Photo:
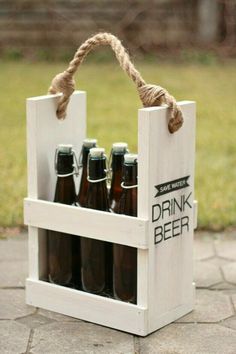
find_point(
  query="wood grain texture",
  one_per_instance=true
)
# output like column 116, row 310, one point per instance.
column 163, row 158
column 89, row 307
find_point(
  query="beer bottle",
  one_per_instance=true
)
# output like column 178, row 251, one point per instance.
column 125, row 257
column 117, row 156
column 59, row 244
column 81, row 199
column 94, row 253
column 87, row 145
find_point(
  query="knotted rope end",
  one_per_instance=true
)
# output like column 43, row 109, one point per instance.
column 176, row 122
column 154, row 95
column 65, row 84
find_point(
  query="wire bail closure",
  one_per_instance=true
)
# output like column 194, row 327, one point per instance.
column 128, row 187
column 100, row 179
column 75, row 171
column 109, row 171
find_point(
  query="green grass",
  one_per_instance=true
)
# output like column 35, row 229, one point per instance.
column 112, row 111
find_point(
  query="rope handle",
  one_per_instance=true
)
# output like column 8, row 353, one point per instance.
column 150, row 95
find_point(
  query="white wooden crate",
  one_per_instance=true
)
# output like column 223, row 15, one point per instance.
column 165, row 272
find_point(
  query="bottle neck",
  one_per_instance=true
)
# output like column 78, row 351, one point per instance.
column 65, row 190
column 130, row 174
column 97, row 167
column 84, row 182
column 85, row 152
column 64, row 164
column 117, row 162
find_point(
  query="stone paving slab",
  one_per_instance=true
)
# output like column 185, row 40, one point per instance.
column 229, row 271
column 203, row 250
column 217, row 261
column 13, row 273
column 190, row 339
column 56, row 316
column 80, row 337
column 223, row 286
column 230, row 322
column 206, row 275
column 13, row 337
column 12, row 304
column 210, row 306
column 234, row 301
column 225, row 246
column 13, row 249
column 34, row 320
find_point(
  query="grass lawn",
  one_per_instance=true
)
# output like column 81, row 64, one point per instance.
column 112, row 111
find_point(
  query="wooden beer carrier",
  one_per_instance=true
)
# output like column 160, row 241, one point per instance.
column 163, row 230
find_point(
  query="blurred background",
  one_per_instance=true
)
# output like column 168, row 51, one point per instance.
column 49, row 29
column 186, row 46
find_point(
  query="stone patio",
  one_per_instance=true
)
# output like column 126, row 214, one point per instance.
column 209, row 329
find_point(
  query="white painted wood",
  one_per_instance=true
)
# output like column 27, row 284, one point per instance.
column 90, row 223
column 195, row 213
column 142, row 277
column 33, row 251
column 175, row 313
column 37, row 251
column 164, row 157
column 45, row 132
column 89, row 307
column 165, row 290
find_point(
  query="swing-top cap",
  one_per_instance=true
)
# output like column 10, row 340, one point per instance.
column 97, row 152
column 131, row 158
column 89, row 143
column 65, row 148
column 119, row 147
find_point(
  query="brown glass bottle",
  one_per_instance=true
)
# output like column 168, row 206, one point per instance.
column 81, row 200
column 117, row 156
column 59, row 244
column 94, row 252
column 125, row 257
column 83, row 190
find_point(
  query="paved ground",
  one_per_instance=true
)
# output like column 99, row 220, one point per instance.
column 209, row 329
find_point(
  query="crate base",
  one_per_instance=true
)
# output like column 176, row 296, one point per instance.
column 97, row 309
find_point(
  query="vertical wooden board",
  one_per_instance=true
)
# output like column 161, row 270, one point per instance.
column 37, row 249
column 45, row 132
column 166, row 163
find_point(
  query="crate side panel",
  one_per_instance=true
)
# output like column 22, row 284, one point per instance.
column 167, row 180
column 143, row 207
column 45, row 132
column 97, row 309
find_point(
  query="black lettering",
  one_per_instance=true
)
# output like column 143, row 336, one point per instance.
column 179, row 206
column 166, row 207
column 158, row 234
column 174, row 227
column 186, row 201
column 184, row 223
column 166, row 230
column 154, row 208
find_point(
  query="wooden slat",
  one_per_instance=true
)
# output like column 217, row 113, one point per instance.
column 89, row 307
column 90, row 223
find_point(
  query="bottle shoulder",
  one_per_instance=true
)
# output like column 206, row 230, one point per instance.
column 97, row 196
column 65, row 190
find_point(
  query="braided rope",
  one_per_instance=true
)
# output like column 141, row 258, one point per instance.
column 150, row 95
